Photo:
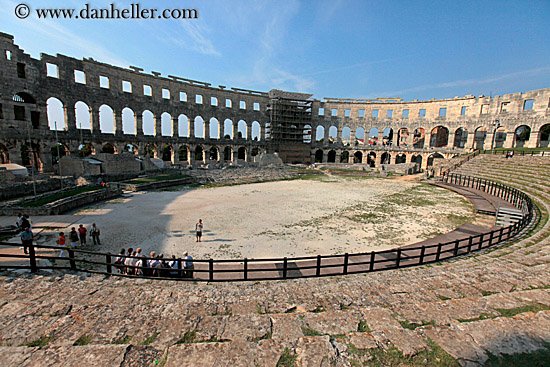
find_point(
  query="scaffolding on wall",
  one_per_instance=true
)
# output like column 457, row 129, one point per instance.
column 289, row 131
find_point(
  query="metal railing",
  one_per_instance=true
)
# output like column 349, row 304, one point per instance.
column 297, row 267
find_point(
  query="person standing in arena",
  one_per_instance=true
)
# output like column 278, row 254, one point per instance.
column 198, row 228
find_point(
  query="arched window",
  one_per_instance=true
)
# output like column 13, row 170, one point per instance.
column 56, row 114
column 106, row 119
column 128, row 121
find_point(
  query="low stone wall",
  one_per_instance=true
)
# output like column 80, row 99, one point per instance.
column 155, row 185
column 403, row 168
column 14, row 190
column 64, row 205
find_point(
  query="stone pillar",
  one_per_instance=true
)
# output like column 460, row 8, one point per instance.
column 380, row 138
column 139, row 124
column 248, row 133
column 450, row 139
column 191, row 155
column 508, row 143
column 70, row 118
column 95, row 121
column 326, row 136
column 427, row 139
column 206, row 134
column 489, row 140
column 235, row 156
column 424, row 165
column 470, row 140
column 175, row 126
column 262, row 132
column 191, row 125
column 235, row 131
column 325, row 156
column 157, row 122
column 118, row 124
column 533, row 139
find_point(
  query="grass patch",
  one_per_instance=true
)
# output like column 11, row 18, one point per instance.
column 287, row 359
column 363, row 327
column 483, row 316
column 309, row 331
column 538, row 358
column 434, row 355
column 41, row 342
column 188, row 337
column 150, row 339
column 533, row 307
column 156, row 179
column 319, row 309
column 123, row 340
column 485, row 293
column 413, row 325
column 83, row 340
column 266, row 336
column 443, row 298
column 60, row 195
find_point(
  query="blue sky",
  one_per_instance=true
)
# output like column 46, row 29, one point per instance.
column 337, row 48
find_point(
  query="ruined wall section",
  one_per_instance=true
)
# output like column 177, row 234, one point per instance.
column 482, row 112
column 63, row 85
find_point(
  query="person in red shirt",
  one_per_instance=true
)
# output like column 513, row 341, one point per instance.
column 61, row 241
column 82, row 234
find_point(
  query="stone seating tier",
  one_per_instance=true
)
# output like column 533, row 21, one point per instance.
column 468, row 311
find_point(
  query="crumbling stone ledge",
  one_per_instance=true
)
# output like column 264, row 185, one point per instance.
column 63, row 205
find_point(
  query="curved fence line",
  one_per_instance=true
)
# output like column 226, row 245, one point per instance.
column 298, row 267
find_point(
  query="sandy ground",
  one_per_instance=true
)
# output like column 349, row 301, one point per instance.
column 326, row 215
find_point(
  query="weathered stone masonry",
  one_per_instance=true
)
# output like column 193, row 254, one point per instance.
column 342, row 130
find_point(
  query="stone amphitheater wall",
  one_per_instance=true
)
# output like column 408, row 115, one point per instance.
column 26, row 85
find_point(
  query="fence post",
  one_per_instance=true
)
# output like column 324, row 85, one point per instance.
column 422, row 252
column 500, row 234
column 470, row 240
column 245, row 268
column 491, row 235
column 32, row 259
column 211, row 269
column 438, row 253
column 318, row 270
column 108, row 261
column 285, row 267
column 480, row 242
column 398, row 259
column 456, row 247
column 346, row 260
column 372, row 255
column 71, row 259
column 180, row 272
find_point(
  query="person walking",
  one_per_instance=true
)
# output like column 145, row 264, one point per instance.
column 73, row 237
column 19, row 222
column 198, row 228
column 82, row 234
column 94, row 233
column 26, row 238
column 62, row 242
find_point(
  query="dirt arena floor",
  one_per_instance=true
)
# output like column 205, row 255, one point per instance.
column 325, row 215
